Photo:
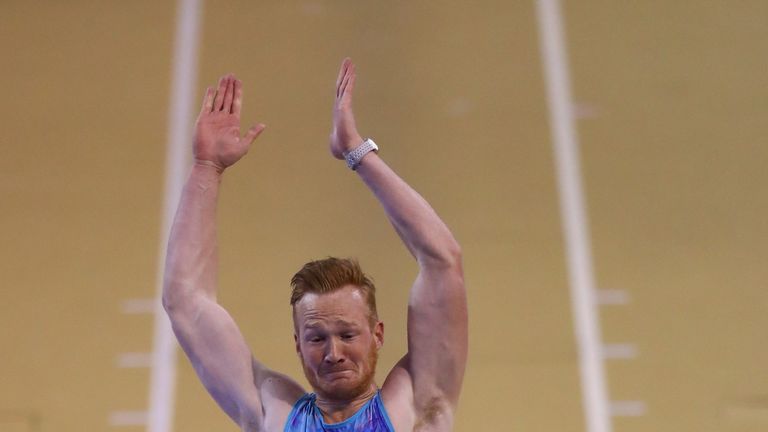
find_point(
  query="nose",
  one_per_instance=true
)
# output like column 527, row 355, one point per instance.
column 333, row 353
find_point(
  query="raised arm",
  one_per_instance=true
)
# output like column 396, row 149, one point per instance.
column 248, row 392
column 433, row 369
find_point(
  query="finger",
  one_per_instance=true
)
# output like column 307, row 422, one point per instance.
column 207, row 101
column 219, row 99
column 229, row 94
column 350, row 84
column 342, row 72
column 238, row 102
column 350, row 73
column 253, row 132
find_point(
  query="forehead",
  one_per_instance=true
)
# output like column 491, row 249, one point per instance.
column 344, row 304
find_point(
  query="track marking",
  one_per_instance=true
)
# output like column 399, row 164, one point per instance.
column 619, row 351
column 586, row 111
column 628, row 408
column 573, row 217
column 127, row 418
column 613, row 297
column 134, row 360
column 178, row 158
column 138, row 306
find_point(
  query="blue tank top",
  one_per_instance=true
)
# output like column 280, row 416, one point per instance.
column 307, row 417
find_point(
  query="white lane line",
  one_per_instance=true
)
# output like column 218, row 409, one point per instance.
column 613, row 297
column 181, row 116
column 628, row 408
column 134, row 360
column 574, row 218
column 138, row 306
column 620, row 351
column 127, row 418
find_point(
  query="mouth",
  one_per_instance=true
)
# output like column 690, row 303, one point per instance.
column 337, row 373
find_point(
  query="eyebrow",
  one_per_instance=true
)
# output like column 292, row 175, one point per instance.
column 347, row 323
column 315, row 324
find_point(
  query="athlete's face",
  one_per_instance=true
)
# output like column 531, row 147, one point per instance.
column 335, row 342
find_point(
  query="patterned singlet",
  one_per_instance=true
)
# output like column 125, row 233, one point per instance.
column 307, row 417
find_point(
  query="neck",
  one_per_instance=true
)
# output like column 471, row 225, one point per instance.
column 338, row 410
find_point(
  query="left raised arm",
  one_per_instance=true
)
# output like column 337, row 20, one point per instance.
column 437, row 308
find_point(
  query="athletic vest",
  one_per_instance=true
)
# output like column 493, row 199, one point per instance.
column 307, row 417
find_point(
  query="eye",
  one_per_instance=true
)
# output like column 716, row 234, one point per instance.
column 347, row 336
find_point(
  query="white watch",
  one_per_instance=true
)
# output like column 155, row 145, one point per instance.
column 355, row 156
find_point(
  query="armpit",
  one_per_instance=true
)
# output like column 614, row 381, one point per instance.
column 435, row 415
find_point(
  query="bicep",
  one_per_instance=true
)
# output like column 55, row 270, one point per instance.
column 221, row 358
column 437, row 335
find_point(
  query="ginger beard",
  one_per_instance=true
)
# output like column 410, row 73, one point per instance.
column 343, row 387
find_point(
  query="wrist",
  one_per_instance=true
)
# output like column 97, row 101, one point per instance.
column 209, row 166
column 352, row 143
column 354, row 157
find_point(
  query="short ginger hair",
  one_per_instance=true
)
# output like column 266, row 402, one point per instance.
column 328, row 275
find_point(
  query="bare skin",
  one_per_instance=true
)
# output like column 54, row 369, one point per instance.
column 338, row 350
column 335, row 341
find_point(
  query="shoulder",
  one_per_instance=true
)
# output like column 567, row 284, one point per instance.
column 397, row 397
column 279, row 396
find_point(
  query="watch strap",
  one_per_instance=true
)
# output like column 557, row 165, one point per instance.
column 355, row 156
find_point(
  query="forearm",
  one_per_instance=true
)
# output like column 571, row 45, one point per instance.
column 437, row 346
column 191, row 266
column 420, row 228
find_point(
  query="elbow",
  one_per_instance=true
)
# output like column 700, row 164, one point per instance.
column 448, row 256
column 180, row 297
column 175, row 295
column 453, row 255
column 176, row 305
column 169, row 301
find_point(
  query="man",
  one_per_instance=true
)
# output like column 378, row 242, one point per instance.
column 337, row 331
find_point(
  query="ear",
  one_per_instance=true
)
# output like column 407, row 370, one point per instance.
column 295, row 331
column 378, row 334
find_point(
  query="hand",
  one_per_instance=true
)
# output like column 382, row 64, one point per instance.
column 217, row 140
column 344, row 136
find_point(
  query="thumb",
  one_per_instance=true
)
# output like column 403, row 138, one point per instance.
column 253, row 132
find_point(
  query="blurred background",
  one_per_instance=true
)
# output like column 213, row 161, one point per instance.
column 669, row 104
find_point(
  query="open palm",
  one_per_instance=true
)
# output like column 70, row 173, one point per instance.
column 217, row 138
column 344, row 136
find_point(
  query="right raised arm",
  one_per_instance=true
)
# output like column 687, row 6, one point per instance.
column 249, row 393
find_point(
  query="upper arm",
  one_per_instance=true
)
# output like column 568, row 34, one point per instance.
column 242, row 387
column 437, row 340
